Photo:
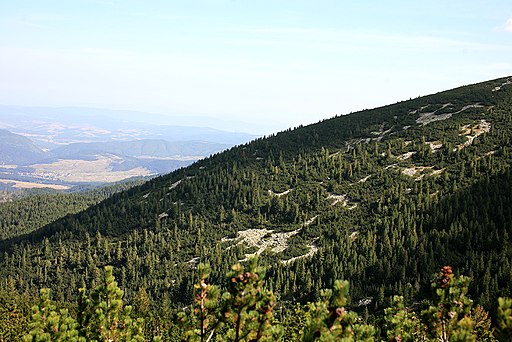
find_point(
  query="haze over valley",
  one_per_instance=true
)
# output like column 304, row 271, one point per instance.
column 60, row 148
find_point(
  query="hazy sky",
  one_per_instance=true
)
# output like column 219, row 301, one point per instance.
column 272, row 64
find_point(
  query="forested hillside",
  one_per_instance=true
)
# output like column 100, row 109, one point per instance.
column 381, row 198
column 17, row 149
column 26, row 211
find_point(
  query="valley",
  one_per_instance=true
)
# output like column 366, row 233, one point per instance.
column 63, row 148
column 86, row 171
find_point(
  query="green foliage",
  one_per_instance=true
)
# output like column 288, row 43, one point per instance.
column 27, row 211
column 14, row 314
column 449, row 319
column 341, row 190
column 200, row 324
column 100, row 317
column 294, row 320
column 27, row 214
column 103, row 316
column 483, row 328
column 247, row 306
column 505, row 319
column 50, row 325
column 329, row 320
column 402, row 324
column 244, row 312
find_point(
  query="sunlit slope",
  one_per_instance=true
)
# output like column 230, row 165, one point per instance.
column 380, row 197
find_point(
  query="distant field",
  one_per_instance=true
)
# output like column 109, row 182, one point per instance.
column 87, row 171
column 32, row 185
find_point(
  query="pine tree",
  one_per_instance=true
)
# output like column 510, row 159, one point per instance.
column 329, row 320
column 449, row 319
column 248, row 306
column 204, row 317
column 505, row 319
column 50, row 325
column 401, row 323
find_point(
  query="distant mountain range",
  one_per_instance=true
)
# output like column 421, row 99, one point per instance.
column 51, row 127
column 72, row 146
column 145, row 148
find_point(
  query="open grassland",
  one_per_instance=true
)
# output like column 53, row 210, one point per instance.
column 91, row 171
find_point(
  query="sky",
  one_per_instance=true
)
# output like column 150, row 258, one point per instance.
column 267, row 64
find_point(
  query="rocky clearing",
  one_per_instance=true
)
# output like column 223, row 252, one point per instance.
column 472, row 132
column 426, row 118
column 264, row 239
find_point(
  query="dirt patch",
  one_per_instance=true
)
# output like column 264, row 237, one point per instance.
column 353, row 236
column 436, row 172
column 472, row 132
column 420, row 171
column 405, row 156
column 434, row 145
column 175, row 184
column 32, row 185
column 263, row 239
column 90, row 171
column 420, row 110
column 362, row 180
column 343, row 199
column 509, row 81
column 337, row 199
column 381, row 133
column 279, row 194
column 415, row 170
column 310, row 221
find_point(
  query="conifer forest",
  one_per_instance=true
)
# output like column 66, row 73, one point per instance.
column 389, row 224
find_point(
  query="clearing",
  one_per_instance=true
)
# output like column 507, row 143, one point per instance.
column 472, row 133
column 32, row 185
column 264, row 239
column 92, row 171
column 421, row 171
column 426, row 118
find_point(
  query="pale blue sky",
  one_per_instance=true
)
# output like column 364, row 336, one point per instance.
column 272, row 64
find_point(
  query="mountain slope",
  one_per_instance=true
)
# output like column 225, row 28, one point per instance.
column 30, row 210
column 379, row 197
column 18, row 150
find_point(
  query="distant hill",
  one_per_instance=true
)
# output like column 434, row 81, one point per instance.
column 143, row 148
column 52, row 127
column 77, row 146
column 16, row 149
column 27, row 166
column 96, row 146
